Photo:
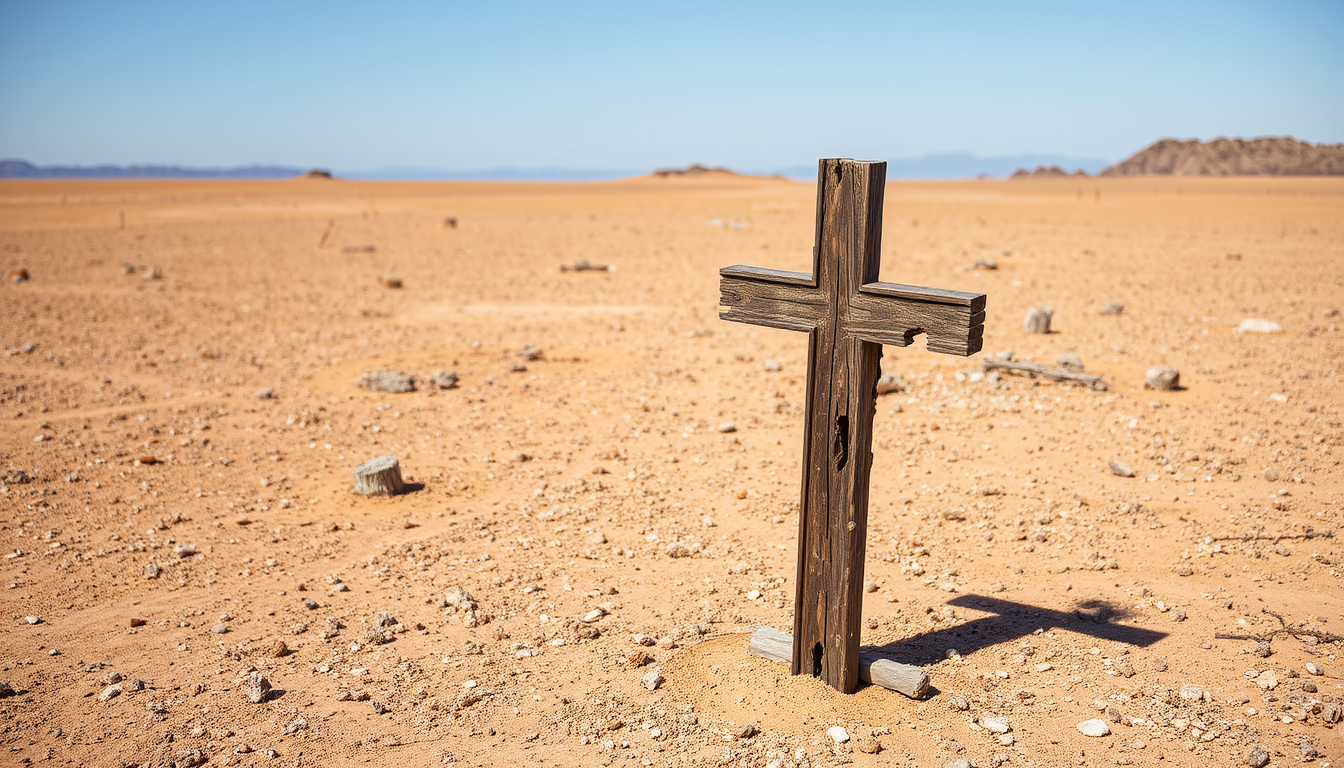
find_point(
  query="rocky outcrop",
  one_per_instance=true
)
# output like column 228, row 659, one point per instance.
column 1271, row 156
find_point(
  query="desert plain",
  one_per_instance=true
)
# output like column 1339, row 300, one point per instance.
column 181, row 417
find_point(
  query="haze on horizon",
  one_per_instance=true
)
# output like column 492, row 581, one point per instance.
column 752, row 86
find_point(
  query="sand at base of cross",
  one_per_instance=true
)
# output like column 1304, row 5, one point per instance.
column 584, row 551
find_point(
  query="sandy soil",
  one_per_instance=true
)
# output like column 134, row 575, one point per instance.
column 1031, row 582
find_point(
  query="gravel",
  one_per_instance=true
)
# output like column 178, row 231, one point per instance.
column 1095, row 727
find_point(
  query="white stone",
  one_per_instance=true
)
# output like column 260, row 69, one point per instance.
column 653, row 679
column 593, row 615
column 110, row 692
column 1257, row 325
column 1267, row 680
column 996, row 724
column 838, row 734
column 1094, row 727
column 1191, row 693
column 1314, row 668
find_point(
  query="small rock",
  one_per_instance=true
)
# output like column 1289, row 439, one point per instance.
column 639, row 659
column 890, row 382
column 958, row 703
column 220, row 629
column 1120, row 468
column 256, row 687
column 868, row 745
column 185, row 550
column 1332, row 713
column 530, row 352
column 387, row 381
column 1258, row 758
column 1191, row 693
column 444, row 379
column 112, row 677
column 838, row 735
column 1159, row 664
column 7, row 690
column 653, row 679
column 33, row 619
column 391, row 281
column 110, row 692
column 151, row 571
column 189, row 757
column 265, row 393
column 1038, row 319
column 995, row 724
column 1183, row 569
column 747, row 731
column 1113, row 308
column 1270, row 474
column 957, row 762
column 679, row 549
column 1070, row 361
column 644, row 640
column 593, row 615
column 459, row 597
column 1314, row 668
column 1257, row 325
column 1162, row 378
column 1095, row 727
column 597, row 537
column 772, row 364
column 727, row 427
column 1267, row 680
column 869, row 585
column 19, row 274
column 517, row 366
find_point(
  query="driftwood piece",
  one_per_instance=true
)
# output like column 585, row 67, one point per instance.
column 379, row 476
column 903, row 678
column 1040, row 369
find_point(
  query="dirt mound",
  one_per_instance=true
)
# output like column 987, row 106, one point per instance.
column 1047, row 172
column 318, row 173
column 1271, row 156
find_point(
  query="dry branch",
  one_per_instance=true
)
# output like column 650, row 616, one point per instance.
column 1040, row 369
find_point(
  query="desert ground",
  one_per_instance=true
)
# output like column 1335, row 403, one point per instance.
column 622, row 497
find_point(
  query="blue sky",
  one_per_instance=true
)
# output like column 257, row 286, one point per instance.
column 643, row 85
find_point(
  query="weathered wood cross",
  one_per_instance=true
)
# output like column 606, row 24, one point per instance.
column 848, row 315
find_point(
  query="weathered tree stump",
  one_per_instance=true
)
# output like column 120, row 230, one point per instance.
column 903, row 678
column 1038, row 320
column 379, row 476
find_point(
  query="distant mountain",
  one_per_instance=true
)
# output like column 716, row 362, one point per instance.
column 1269, row 156
column 1047, row 172
column 962, row 165
column 22, row 169
column 545, row 173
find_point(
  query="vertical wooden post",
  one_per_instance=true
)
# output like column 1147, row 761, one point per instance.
column 837, row 446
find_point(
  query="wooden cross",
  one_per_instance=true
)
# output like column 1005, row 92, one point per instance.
column 848, row 315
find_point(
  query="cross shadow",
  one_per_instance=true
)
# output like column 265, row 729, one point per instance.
column 1013, row 621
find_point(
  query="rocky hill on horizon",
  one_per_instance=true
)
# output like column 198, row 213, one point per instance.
column 1266, row 156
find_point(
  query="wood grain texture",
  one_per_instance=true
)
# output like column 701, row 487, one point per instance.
column 769, row 643
column 848, row 315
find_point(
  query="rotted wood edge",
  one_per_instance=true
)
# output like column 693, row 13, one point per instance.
column 905, row 679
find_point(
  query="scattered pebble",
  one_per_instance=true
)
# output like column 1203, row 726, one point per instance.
column 33, row 619
column 256, row 687
column 1257, row 758
column 1314, row 668
column 1162, row 378
column 1095, row 727
column 387, row 381
column 995, row 724
column 7, row 690
column 838, row 735
column 110, row 692
column 265, row 393
column 1256, row 325
column 771, row 364
column 1120, row 468
column 653, row 679
column 747, row 731
column 868, row 745
column 890, row 382
column 1038, row 320
column 679, row 549
column 1113, row 308
column 727, row 427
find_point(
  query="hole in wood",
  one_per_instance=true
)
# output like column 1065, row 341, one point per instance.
column 816, row 660
column 838, row 173
column 911, row 334
column 841, row 441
